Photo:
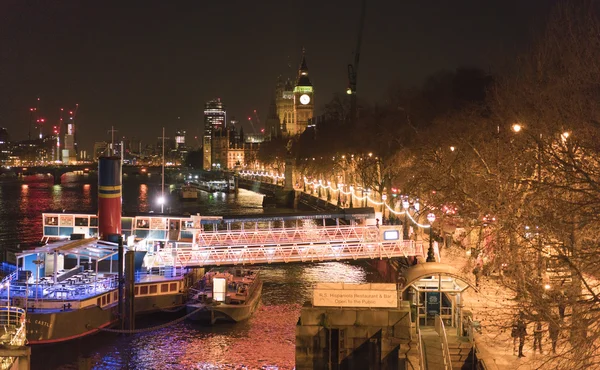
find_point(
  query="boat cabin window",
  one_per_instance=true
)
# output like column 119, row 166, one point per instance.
column 136, row 291
column 142, row 223
column 51, row 220
column 173, row 287
column 103, row 300
column 98, row 302
column 144, row 289
column 108, row 298
column 153, row 289
column 93, row 221
column 115, row 296
column 81, row 221
column 164, row 288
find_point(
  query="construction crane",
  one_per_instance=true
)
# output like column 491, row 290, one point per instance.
column 75, row 130
column 262, row 130
column 353, row 68
column 252, row 124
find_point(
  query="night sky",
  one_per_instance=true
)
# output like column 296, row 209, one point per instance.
column 138, row 65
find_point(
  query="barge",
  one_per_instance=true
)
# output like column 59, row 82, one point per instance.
column 230, row 295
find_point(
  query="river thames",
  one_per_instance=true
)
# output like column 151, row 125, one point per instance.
column 265, row 341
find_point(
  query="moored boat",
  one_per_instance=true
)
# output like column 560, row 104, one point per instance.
column 189, row 192
column 69, row 289
column 230, row 295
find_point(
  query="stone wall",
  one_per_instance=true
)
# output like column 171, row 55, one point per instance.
column 350, row 336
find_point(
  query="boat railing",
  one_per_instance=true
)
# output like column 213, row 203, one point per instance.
column 12, row 276
column 163, row 271
column 23, row 293
column 11, row 315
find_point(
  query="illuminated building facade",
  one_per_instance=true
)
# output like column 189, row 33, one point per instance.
column 304, row 105
column 215, row 117
column 293, row 106
column 69, row 154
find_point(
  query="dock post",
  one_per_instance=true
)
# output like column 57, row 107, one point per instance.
column 129, row 290
column 121, row 278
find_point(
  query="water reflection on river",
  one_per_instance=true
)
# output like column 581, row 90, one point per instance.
column 265, row 341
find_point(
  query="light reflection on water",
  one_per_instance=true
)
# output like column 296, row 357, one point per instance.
column 265, row 341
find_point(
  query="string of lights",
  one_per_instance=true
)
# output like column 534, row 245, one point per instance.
column 319, row 183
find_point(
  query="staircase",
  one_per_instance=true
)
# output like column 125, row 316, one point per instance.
column 461, row 351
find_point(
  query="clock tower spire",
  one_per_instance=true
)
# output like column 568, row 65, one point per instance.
column 303, row 99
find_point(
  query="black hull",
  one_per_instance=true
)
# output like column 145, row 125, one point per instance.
column 56, row 327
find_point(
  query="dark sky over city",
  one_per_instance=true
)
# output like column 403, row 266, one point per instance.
column 139, row 65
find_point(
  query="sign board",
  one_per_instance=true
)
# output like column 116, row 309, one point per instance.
column 356, row 295
column 391, row 235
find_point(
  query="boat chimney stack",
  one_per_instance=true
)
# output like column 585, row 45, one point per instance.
column 109, row 198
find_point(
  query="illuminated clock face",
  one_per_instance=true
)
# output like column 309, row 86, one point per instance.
column 304, row 99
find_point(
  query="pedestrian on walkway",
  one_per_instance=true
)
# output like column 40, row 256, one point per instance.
column 537, row 336
column 476, row 272
column 553, row 332
column 562, row 304
column 519, row 331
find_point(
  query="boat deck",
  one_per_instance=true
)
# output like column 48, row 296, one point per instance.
column 238, row 288
column 78, row 287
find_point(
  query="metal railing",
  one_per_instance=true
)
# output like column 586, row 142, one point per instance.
column 422, row 364
column 441, row 331
column 190, row 256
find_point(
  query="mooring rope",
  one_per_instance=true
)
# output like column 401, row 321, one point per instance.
column 144, row 330
column 169, row 310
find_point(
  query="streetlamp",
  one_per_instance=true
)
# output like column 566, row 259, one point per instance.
column 405, row 205
column 351, row 195
column 430, row 255
column 161, row 201
column 383, row 198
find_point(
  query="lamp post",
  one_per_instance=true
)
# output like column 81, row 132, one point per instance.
column 351, row 195
column 405, row 205
column 383, row 198
column 430, row 255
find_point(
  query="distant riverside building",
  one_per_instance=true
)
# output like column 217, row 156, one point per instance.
column 69, row 151
column 293, row 105
column 100, row 149
column 180, row 139
column 254, row 138
column 215, row 117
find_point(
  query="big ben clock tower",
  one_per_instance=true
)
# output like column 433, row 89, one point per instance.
column 304, row 106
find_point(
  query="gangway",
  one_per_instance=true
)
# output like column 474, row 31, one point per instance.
column 326, row 243
column 194, row 241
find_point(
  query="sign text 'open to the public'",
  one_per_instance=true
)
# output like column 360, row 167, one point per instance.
column 355, row 298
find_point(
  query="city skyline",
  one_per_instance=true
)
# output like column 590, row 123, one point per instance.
column 140, row 68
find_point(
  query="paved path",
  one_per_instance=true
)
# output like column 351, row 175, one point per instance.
column 493, row 306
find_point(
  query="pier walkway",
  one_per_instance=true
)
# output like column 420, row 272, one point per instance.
column 195, row 241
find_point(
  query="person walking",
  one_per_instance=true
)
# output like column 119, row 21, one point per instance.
column 553, row 332
column 562, row 305
column 537, row 337
column 519, row 331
